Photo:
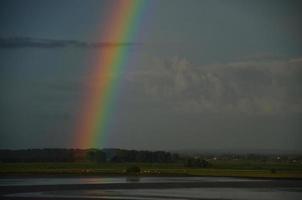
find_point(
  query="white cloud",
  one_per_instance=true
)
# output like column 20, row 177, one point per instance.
column 249, row 86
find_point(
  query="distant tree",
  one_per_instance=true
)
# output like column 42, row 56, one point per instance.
column 84, row 155
column 96, row 156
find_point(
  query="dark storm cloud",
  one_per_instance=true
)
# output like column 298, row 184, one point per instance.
column 28, row 42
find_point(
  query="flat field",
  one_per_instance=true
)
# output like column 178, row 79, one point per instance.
column 238, row 168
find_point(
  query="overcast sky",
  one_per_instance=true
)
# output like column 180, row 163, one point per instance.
column 204, row 74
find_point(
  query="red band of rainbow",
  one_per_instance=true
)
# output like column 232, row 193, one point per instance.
column 122, row 27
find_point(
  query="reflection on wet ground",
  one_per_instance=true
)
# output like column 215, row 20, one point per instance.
column 179, row 193
column 100, row 180
column 145, row 188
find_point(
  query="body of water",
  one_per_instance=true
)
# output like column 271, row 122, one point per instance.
column 102, row 180
column 145, row 188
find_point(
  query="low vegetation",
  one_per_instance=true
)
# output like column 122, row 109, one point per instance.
column 145, row 163
column 133, row 170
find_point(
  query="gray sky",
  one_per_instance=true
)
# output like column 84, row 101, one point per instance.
column 205, row 74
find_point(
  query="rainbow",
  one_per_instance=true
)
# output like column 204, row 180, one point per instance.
column 121, row 27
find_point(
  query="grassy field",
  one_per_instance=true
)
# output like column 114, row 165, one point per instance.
column 237, row 168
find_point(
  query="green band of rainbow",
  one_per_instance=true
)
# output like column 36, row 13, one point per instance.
column 122, row 26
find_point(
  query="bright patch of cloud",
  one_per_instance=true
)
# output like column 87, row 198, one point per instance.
column 255, row 86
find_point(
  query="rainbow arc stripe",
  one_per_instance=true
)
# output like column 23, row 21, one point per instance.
column 121, row 27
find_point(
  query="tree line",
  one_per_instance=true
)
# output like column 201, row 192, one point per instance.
column 97, row 155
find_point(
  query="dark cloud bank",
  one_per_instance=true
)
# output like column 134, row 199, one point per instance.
column 28, row 42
